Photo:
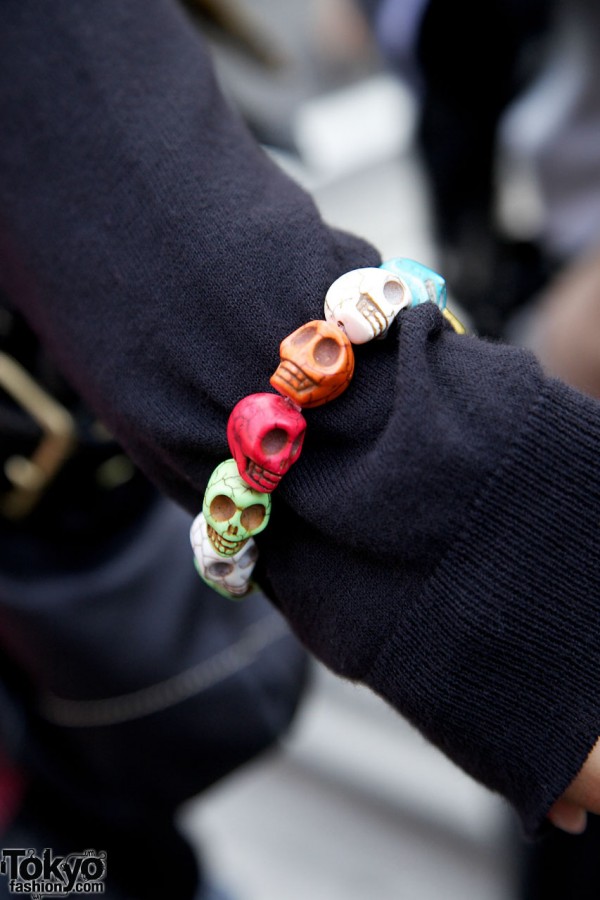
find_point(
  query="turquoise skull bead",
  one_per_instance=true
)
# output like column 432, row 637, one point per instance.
column 234, row 512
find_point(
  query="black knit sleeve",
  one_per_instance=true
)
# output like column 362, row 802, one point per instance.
column 437, row 537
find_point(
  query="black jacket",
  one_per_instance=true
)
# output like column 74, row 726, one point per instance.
column 437, row 539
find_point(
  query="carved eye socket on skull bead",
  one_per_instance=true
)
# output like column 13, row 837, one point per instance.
column 274, row 441
column 393, row 292
column 303, row 336
column 222, row 508
column 327, row 352
column 219, row 569
column 252, row 517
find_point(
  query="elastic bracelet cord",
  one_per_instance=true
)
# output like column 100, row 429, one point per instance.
column 266, row 431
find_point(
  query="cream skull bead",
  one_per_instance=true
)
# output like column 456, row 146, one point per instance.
column 365, row 302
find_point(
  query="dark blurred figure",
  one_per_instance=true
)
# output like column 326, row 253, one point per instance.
column 468, row 61
column 476, row 59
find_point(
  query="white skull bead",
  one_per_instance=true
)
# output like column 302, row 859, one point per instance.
column 230, row 576
column 365, row 302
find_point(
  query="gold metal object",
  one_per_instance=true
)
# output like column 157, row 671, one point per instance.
column 30, row 476
column 456, row 324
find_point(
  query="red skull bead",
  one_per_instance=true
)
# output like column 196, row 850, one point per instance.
column 265, row 434
column 317, row 363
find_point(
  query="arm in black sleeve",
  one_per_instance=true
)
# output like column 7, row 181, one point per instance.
column 437, row 539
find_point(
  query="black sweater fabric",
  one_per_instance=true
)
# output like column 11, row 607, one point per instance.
column 438, row 538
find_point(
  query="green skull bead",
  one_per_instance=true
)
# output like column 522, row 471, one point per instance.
column 234, row 511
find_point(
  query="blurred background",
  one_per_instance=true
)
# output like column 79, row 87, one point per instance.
column 355, row 804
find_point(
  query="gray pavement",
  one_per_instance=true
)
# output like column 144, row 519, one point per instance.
column 354, row 806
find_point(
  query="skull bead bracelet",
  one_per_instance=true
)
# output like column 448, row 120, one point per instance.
column 265, row 431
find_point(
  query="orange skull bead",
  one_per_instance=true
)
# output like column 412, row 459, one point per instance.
column 317, row 362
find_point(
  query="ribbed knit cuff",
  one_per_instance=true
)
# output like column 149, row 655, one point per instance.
column 510, row 621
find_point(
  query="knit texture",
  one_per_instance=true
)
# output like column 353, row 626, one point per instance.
column 495, row 654
column 437, row 538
